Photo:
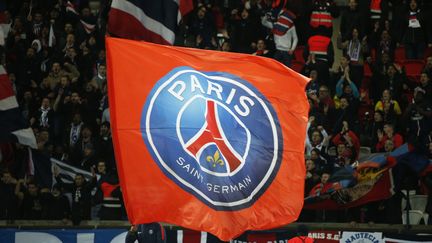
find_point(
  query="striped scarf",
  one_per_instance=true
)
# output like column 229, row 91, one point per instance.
column 284, row 22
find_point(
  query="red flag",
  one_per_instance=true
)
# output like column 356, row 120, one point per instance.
column 207, row 140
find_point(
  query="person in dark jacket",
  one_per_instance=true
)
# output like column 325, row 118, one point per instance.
column 351, row 19
column 416, row 32
column 56, row 205
column 146, row 233
column 81, row 195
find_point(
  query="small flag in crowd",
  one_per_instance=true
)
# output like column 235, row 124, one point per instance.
column 51, row 36
column 88, row 27
column 71, row 8
column 152, row 21
column 13, row 127
column 68, row 172
column 207, row 140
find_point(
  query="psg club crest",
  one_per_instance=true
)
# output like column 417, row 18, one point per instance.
column 214, row 135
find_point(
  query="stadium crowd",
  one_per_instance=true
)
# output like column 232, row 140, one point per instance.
column 378, row 95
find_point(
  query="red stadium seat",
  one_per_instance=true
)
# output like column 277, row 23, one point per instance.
column 413, row 69
column 366, row 82
column 298, row 54
column 399, row 55
column 297, row 66
column 367, row 71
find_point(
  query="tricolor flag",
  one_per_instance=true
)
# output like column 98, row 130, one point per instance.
column 207, row 140
column 153, row 21
column 13, row 127
column 68, row 172
column 87, row 26
column 70, row 7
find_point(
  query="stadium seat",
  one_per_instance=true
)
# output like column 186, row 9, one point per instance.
column 297, row 66
column 418, row 202
column 399, row 55
column 298, row 54
column 415, row 216
column 413, row 69
column 367, row 71
column 364, row 151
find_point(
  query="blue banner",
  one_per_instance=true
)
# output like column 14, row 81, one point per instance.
column 63, row 236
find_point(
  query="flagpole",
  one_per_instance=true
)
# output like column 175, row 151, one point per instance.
column 31, row 8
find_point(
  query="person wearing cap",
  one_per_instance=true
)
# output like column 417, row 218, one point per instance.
column 146, row 233
column 302, row 235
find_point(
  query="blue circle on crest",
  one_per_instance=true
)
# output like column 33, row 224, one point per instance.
column 213, row 134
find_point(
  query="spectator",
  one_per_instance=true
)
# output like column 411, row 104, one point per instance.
column 146, row 233
column 312, row 176
column 262, row 49
column 337, row 74
column 416, row 33
column 111, row 202
column 321, row 17
column 284, row 33
column 388, row 133
column 381, row 42
column 44, row 117
column 203, row 29
column 8, row 204
column 81, row 195
column 318, row 137
column 313, row 86
column 426, row 85
column 371, row 129
column 100, row 78
column 345, row 111
column 418, row 115
column 73, row 132
column 349, row 138
column 243, row 30
column 56, row 205
column 389, row 107
column 83, row 147
column 323, row 186
column 394, row 81
column 355, row 49
column 320, row 162
column 104, row 145
column 378, row 12
column 30, row 200
column 428, row 66
column 319, row 51
column 351, row 19
column 388, row 146
column 345, row 87
column 57, row 72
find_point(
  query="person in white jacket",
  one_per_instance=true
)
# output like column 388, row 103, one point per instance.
column 284, row 33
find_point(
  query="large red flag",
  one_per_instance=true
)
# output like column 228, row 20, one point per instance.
column 207, row 140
